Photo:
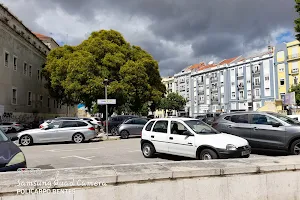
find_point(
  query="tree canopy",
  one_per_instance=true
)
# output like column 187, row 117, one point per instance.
column 296, row 89
column 297, row 21
column 173, row 101
column 75, row 74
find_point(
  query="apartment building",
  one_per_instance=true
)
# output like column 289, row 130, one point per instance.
column 169, row 83
column 233, row 84
column 22, row 56
column 287, row 64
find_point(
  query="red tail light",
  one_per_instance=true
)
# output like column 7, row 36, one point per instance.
column 41, row 126
column 141, row 133
column 92, row 128
column 17, row 125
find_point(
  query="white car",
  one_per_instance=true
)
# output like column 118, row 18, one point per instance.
column 190, row 138
column 77, row 131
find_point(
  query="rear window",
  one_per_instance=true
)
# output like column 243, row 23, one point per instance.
column 97, row 119
column 82, row 124
column 242, row 119
column 69, row 124
column 149, row 126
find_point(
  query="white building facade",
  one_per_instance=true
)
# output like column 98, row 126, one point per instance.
column 238, row 85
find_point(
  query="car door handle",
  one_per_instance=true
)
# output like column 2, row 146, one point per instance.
column 189, row 143
column 152, row 136
column 255, row 128
column 171, row 138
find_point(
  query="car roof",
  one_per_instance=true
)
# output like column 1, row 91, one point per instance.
column 178, row 118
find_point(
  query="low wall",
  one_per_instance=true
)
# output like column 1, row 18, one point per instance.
column 258, row 178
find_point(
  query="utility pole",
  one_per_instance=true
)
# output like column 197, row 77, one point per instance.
column 106, row 106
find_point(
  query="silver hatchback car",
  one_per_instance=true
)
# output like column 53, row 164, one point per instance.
column 77, row 131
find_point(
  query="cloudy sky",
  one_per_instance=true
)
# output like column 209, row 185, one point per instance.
column 177, row 33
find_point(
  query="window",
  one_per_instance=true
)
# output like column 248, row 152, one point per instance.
column 228, row 118
column 38, row 74
column 6, row 58
column 295, row 80
column 242, row 119
column 48, row 103
column 256, row 81
column 15, row 63
column 30, row 71
column 14, row 96
column 232, row 94
column 161, row 127
column 25, row 69
column 200, row 127
column 248, row 81
column 81, row 124
column 282, row 81
column 282, row 95
column 69, row 124
column 285, row 118
column 29, row 100
column 53, row 125
column 222, row 73
column 257, row 92
column 263, row 119
column 242, row 94
column 177, row 128
column 267, row 78
column 149, row 126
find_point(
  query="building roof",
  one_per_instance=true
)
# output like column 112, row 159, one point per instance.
column 41, row 36
column 229, row 60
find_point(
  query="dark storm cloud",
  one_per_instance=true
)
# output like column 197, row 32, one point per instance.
column 214, row 28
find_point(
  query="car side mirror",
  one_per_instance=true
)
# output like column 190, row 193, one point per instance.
column 276, row 124
column 187, row 133
column 15, row 138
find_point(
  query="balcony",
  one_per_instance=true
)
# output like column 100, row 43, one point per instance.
column 201, row 101
column 214, row 79
column 214, row 100
column 214, row 89
column 295, row 71
column 256, row 97
column 256, row 84
column 200, row 82
column 241, row 98
column 293, row 56
column 240, row 74
column 240, row 86
column 201, row 91
column 256, row 71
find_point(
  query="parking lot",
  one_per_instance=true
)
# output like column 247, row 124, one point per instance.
column 67, row 155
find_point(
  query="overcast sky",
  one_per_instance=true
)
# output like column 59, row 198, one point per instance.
column 177, row 33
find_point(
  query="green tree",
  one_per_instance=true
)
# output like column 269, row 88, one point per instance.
column 296, row 89
column 76, row 74
column 164, row 105
column 297, row 21
column 176, row 101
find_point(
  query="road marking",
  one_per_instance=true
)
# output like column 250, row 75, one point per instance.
column 88, row 158
column 134, row 151
column 62, row 150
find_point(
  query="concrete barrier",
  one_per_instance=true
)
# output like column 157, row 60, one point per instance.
column 251, row 179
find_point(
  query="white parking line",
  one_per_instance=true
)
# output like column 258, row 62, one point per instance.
column 62, row 150
column 88, row 158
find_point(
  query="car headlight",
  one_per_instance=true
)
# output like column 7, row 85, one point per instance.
column 230, row 147
column 18, row 158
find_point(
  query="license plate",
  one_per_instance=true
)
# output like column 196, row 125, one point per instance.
column 245, row 152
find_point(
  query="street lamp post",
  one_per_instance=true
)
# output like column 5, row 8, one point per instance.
column 106, row 106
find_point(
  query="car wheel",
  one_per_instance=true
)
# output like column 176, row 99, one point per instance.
column 26, row 140
column 208, row 154
column 295, row 148
column 246, row 156
column 78, row 138
column 148, row 150
column 124, row 134
column 114, row 131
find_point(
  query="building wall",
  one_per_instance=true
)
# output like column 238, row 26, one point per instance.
column 293, row 60
column 21, row 59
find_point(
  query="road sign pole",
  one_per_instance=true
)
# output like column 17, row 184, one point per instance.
column 106, row 110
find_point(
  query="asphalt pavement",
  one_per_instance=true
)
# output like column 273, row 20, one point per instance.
column 68, row 155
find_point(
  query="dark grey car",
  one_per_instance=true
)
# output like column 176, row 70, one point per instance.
column 132, row 127
column 263, row 130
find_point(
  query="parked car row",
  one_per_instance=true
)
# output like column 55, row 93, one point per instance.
column 11, row 127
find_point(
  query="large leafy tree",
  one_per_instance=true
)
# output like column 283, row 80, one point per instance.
column 173, row 101
column 297, row 21
column 76, row 74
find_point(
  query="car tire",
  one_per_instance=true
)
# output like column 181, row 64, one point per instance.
column 246, row 156
column 295, row 148
column 124, row 134
column 148, row 150
column 25, row 140
column 207, row 154
column 114, row 131
column 78, row 138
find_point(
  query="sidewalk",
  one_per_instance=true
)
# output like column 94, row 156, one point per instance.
column 102, row 136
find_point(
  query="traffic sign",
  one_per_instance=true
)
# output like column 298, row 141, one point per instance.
column 106, row 101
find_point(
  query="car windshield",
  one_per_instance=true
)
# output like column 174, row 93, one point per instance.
column 285, row 119
column 3, row 137
column 200, row 128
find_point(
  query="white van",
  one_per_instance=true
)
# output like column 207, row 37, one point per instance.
column 190, row 138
